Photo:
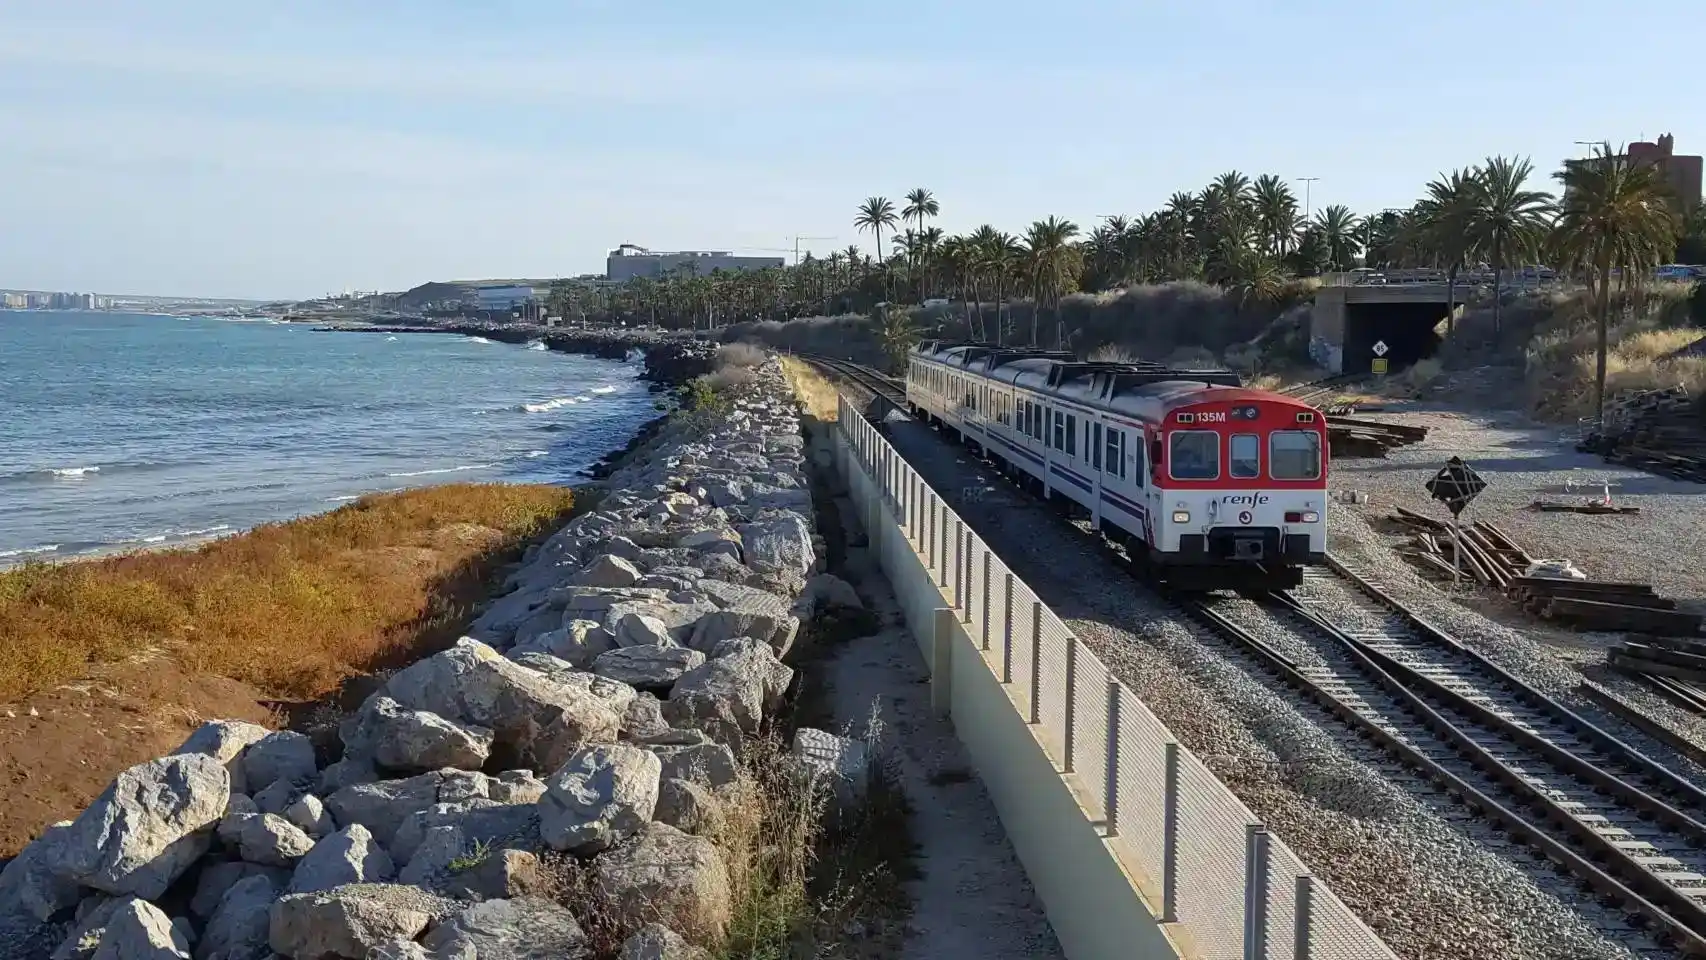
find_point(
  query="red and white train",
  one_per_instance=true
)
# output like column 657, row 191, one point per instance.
column 1213, row 484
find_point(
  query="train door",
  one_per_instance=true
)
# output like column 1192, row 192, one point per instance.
column 1093, row 458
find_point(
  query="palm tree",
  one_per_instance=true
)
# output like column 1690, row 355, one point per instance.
column 920, row 205
column 1442, row 220
column 876, row 214
column 1616, row 215
column 1276, row 214
column 1053, row 263
column 1337, row 227
column 897, row 335
column 1505, row 219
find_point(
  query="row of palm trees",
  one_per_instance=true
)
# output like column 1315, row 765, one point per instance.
column 1615, row 219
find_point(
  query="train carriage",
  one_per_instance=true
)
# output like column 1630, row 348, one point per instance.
column 1212, row 484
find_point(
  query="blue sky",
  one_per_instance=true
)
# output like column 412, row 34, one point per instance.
column 287, row 149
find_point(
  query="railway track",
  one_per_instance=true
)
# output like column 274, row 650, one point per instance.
column 1318, row 392
column 879, row 384
column 1619, row 822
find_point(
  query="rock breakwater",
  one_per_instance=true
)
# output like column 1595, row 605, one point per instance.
column 595, row 719
column 671, row 358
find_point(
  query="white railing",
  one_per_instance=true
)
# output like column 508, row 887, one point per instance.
column 1200, row 858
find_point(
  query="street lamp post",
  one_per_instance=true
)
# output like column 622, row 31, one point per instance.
column 1307, row 182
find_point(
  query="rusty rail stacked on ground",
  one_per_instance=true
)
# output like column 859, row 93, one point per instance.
column 1489, row 556
column 1660, row 431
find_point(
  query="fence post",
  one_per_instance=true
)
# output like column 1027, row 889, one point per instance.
column 942, row 662
column 1036, row 661
column 1255, row 892
column 1170, row 835
column 930, row 535
column 960, row 568
column 967, row 552
column 1111, row 790
column 1304, row 921
column 1007, row 633
column 987, row 599
column 1071, row 697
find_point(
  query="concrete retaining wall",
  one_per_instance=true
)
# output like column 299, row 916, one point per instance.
column 1097, row 910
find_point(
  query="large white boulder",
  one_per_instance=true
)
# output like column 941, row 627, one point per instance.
column 351, row 855
column 667, row 876
column 351, row 920
column 601, row 795
column 521, row 929
column 146, row 829
column 413, row 741
column 472, row 685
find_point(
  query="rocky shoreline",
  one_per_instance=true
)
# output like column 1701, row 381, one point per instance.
column 596, row 718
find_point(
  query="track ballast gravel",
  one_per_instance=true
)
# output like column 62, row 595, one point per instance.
column 1431, row 878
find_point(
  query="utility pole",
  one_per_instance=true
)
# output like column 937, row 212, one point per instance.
column 797, row 246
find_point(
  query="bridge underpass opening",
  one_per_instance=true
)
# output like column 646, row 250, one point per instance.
column 1407, row 329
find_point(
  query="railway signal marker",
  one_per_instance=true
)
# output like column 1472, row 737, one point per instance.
column 1455, row 485
column 1380, row 348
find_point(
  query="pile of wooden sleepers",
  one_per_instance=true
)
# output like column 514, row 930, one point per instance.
column 1660, row 431
column 1348, row 436
column 1490, row 557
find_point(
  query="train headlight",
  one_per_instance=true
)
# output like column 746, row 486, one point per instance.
column 1181, row 516
column 1310, row 516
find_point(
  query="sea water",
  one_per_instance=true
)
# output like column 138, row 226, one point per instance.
column 120, row 431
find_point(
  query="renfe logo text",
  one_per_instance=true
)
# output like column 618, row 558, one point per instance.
column 1251, row 499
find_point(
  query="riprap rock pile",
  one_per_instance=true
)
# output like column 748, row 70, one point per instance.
column 597, row 711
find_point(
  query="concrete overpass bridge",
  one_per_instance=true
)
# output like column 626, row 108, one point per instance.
column 1379, row 327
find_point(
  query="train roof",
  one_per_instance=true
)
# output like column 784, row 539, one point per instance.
column 1140, row 388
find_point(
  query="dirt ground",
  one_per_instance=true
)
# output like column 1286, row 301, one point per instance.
column 972, row 900
column 60, row 749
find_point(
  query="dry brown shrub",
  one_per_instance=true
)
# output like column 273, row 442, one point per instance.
column 292, row 608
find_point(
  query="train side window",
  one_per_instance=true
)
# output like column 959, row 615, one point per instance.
column 1294, row 455
column 1071, row 435
column 1096, row 446
column 1113, row 451
column 1194, row 455
column 1244, row 456
column 1154, row 456
column 1059, row 430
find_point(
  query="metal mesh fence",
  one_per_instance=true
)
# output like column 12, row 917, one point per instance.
column 1212, row 836
column 1026, row 646
column 1141, row 789
column 1051, row 683
column 1335, row 933
column 1285, row 871
column 1023, row 652
column 1089, row 737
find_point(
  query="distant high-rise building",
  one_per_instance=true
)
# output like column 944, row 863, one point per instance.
column 629, row 261
column 1682, row 173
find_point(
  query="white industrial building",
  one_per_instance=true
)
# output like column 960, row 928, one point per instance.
column 629, row 261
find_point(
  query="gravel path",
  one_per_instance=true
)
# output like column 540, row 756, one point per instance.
column 973, row 900
column 1430, row 877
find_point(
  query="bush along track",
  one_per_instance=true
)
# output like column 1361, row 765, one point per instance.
column 597, row 769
